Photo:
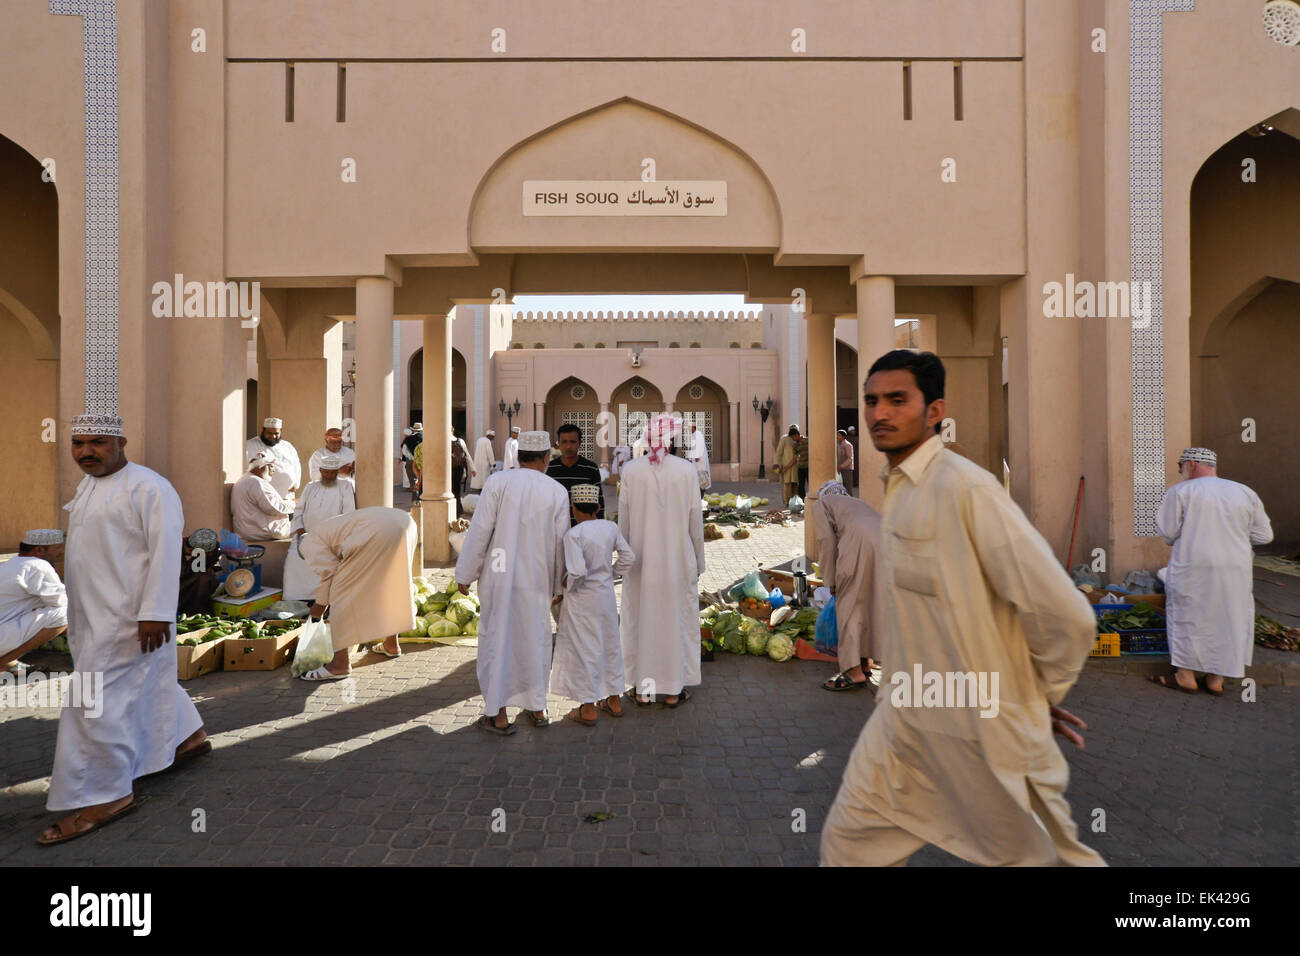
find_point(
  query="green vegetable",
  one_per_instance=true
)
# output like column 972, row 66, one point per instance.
column 780, row 647
column 461, row 610
column 1138, row 617
column 757, row 638
column 443, row 628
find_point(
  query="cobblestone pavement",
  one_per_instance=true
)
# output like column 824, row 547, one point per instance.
column 302, row 775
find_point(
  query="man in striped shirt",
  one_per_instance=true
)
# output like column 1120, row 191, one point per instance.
column 573, row 469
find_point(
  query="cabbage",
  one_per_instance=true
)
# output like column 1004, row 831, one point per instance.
column 452, row 588
column 780, row 647
column 471, row 629
column 461, row 610
column 443, row 628
column 757, row 639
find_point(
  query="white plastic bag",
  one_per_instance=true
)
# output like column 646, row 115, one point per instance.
column 315, row 648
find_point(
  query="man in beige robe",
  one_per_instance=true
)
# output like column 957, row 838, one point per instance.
column 848, row 539
column 363, row 559
column 981, row 614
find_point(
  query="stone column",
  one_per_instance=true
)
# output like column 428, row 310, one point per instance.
column 821, row 416
column 374, row 393
column 602, row 452
column 875, row 338
column 437, row 503
column 733, row 421
column 539, row 419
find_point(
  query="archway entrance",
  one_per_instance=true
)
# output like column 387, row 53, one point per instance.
column 1245, row 324
column 29, row 337
column 415, row 390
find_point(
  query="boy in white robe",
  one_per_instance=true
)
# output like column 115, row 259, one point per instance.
column 514, row 549
column 123, row 579
column 1211, row 523
column 511, row 457
column 588, row 664
column 484, row 459
column 33, row 601
column 328, row 497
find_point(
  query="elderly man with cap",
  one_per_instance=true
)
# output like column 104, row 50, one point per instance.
column 1210, row 606
column 333, row 446
column 123, row 575
column 33, row 601
column 288, row 469
column 511, row 457
column 325, row 498
column 484, row 459
column 786, row 463
column 256, row 508
column 515, row 551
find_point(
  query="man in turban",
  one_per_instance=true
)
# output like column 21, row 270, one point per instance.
column 1210, row 609
column 33, row 601
column 659, row 517
column 333, row 446
column 123, row 571
column 288, row 469
column 257, row 510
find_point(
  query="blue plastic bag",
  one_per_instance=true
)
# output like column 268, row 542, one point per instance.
column 826, row 636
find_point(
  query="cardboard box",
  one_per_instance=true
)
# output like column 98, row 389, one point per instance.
column 195, row 660
column 259, row 654
column 227, row 606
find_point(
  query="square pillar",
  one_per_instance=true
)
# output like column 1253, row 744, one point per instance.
column 733, row 412
column 821, row 416
column 875, row 338
column 374, row 393
column 437, row 503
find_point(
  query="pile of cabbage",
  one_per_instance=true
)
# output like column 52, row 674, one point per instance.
column 730, row 500
column 442, row 614
column 741, row 634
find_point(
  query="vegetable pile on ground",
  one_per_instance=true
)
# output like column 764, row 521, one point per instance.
column 445, row 614
column 730, row 500
column 1139, row 617
column 1271, row 633
column 236, row 627
column 741, row 634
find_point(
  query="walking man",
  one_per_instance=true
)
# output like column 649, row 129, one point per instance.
column 975, row 598
column 124, row 575
column 786, row 464
column 1211, row 523
column 844, row 459
column 484, row 459
column 515, row 550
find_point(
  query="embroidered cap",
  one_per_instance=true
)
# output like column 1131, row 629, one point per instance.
column 585, row 494
column 330, row 462
column 88, row 424
column 1203, row 455
column 534, row 441
column 260, row 459
column 272, row 423
column 38, row 537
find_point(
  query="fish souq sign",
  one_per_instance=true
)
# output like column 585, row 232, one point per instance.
column 679, row 197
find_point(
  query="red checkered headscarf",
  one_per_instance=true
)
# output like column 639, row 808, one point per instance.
column 659, row 434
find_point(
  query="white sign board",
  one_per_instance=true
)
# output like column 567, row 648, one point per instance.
column 577, row 197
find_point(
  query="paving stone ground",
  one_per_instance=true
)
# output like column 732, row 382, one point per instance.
column 301, row 774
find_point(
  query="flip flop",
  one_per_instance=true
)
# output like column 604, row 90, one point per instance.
column 575, row 715
column 682, row 698
column 323, row 673
column 842, row 682
column 65, row 834
column 1168, row 680
column 383, row 651
column 487, row 723
column 604, row 705
column 187, row 755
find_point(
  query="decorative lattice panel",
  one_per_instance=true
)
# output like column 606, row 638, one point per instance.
column 587, row 422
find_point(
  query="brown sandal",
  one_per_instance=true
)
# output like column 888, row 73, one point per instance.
column 1170, row 681
column 603, row 704
column 72, row 833
column 575, row 715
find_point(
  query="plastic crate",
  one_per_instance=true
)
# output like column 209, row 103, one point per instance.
column 1151, row 641
column 1106, row 645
